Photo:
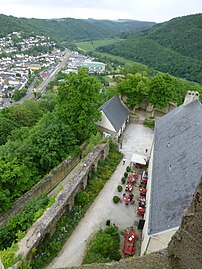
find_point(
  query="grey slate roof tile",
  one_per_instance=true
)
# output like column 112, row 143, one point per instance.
column 116, row 112
column 177, row 165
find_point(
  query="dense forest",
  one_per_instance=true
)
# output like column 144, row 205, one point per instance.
column 68, row 29
column 36, row 136
column 173, row 47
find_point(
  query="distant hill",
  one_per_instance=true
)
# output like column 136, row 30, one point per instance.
column 182, row 34
column 173, row 47
column 12, row 24
column 68, row 29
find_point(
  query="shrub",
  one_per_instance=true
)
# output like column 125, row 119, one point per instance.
column 116, row 199
column 125, row 174
column 22, row 221
column 93, row 140
column 8, row 255
column 104, row 247
column 82, row 198
column 128, row 169
column 150, row 123
column 119, row 188
column 123, row 180
column 24, row 264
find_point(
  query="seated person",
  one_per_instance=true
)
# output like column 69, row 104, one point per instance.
column 142, row 204
column 131, row 196
column 141, row 209
column 142, row 199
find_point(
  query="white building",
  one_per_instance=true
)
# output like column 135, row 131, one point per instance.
column 115, row 116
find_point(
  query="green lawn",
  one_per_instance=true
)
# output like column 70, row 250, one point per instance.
column 88, row 46
column 92, row 45
column 108, row 79
column 118, row 58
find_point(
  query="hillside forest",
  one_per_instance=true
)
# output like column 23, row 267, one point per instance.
column 69, row 29
column 172, row 47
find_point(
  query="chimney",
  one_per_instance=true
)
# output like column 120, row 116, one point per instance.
column 191, row 96
column 196, row 95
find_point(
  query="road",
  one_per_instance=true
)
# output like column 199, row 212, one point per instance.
column 42, row 87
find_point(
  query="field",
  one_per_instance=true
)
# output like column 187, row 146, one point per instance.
column 92, row 45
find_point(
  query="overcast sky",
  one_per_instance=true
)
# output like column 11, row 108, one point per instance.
column 143, row 10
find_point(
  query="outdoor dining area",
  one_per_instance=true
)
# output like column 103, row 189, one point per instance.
column 129, row 242
column 142, row 197
column 132, row 178
column 135, row 190
column 144, row 178
column 128, row 196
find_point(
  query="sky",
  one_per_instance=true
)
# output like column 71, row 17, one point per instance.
column 143, row 10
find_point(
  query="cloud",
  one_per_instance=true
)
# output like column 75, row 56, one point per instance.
column 54, row 3
column 149, row 10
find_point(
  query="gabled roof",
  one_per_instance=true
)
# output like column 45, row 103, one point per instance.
column 177, row 165
column 116, row 112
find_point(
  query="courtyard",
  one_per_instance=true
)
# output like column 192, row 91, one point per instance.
column 136, row 139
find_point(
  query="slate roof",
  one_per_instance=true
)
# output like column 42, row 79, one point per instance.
column 177, row 165
column 116, row 112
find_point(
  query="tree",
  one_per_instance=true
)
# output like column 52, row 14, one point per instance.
column 18, row 94
column 162, row 90
column 6, row 127
column 14, row 181
column 52, row 141
column 26, row 114
column 135, row 88
column 77, row 103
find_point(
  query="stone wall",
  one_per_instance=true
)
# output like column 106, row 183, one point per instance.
column 134, row 118
column 47, row 184
column 158, row 260
column 185, row 247
column 76, row 182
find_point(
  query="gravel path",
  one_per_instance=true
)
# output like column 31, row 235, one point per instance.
column 136, row 139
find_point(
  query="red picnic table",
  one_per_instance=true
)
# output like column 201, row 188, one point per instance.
column 128, row 249
column 126, row 198
column 144, row 181
column 141, row 211
column 129, row 242
column 129, row 187
column 135, row 175
column 131, row 180
column 143, row 192
column 132, row 233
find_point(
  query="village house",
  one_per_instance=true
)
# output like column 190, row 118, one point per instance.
column 174, row 172
column 14, row 66
column 115, row 116
column 94, row 67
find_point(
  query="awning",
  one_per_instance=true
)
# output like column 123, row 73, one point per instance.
column 137, row 158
